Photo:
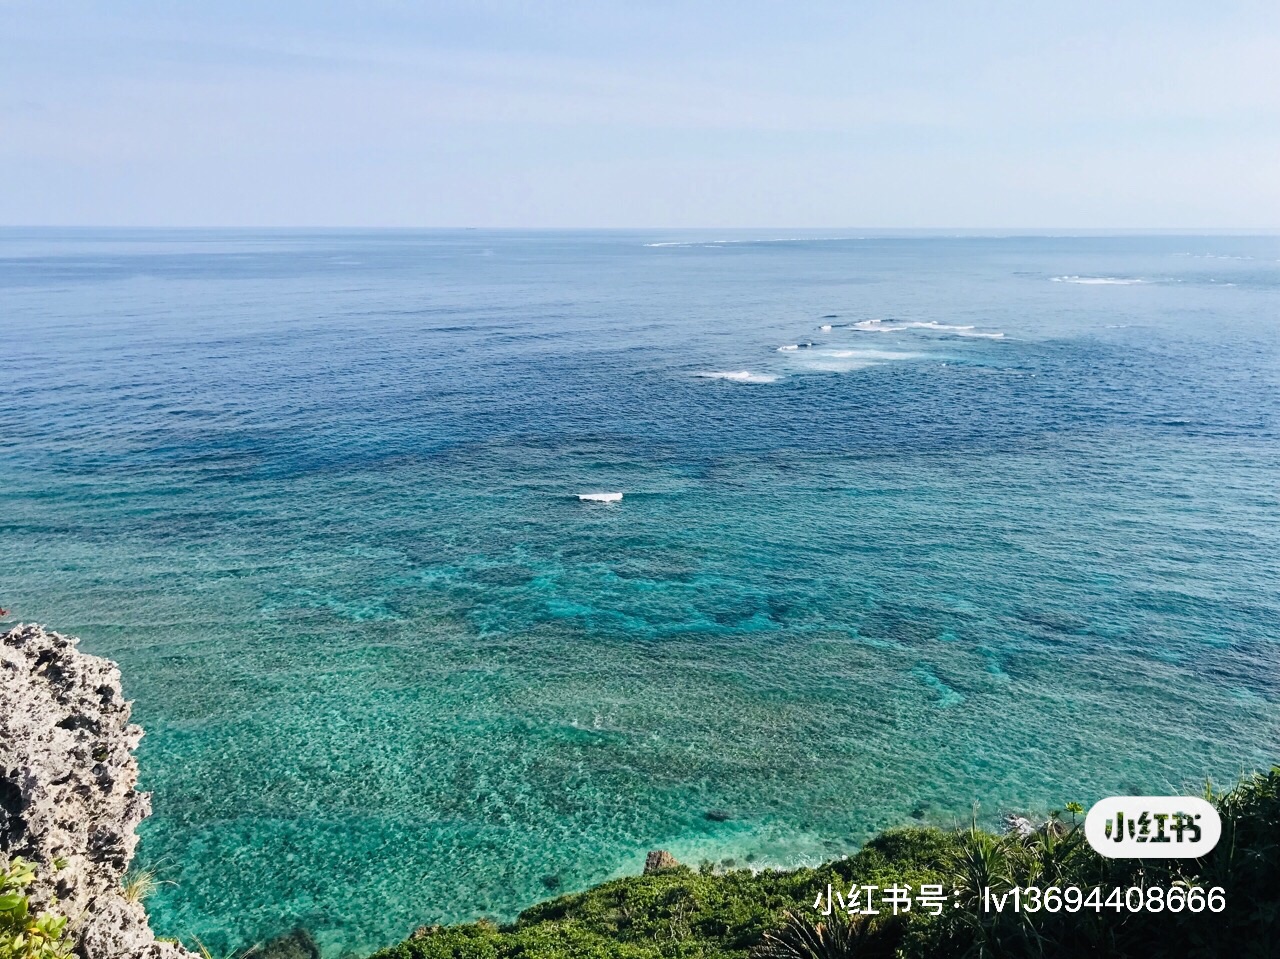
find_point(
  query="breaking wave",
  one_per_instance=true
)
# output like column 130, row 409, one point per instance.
column 738, row 376
column 883, row 326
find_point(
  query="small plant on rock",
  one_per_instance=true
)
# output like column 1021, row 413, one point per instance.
column 23, row 936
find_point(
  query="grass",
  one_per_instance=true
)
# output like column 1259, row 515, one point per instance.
column 140, row 884
column 204, row 952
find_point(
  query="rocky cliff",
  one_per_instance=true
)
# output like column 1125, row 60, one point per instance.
column 67, row 796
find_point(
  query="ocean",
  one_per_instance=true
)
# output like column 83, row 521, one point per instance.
column 911, row 522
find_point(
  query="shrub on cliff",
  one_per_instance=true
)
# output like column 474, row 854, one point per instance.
column 22, row 935
column 682, row 914
column 677, row 913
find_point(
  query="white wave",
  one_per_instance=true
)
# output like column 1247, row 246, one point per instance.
column 917, row 325
column 825, row 327
column 738, row 376
column 880, row 326
column 1098, row 280
column 935, row 325
column 600, row 497
column 709, row 245
column 788, row 348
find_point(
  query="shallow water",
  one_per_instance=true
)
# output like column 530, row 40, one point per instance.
column 1015, row 544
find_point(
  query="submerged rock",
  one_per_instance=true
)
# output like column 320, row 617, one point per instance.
column 298, row 944
column 67, row 796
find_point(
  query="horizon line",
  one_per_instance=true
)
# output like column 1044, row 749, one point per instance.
column 1007, row 230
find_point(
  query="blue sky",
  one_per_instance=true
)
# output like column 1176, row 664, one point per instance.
column 664, row 114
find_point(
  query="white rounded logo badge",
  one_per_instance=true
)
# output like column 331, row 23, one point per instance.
column 1152, row 827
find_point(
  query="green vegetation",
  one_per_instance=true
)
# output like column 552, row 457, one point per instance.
column 23, row 936
column 683, row 914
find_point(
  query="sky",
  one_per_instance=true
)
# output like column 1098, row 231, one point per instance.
column 665, row 113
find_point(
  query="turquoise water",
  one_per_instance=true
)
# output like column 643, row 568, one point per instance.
column 1015, row 544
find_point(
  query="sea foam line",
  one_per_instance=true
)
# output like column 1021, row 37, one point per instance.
column 737, row 376
column 1098, row 280
column 779, row 239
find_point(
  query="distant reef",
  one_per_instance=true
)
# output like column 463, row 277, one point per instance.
column 68, row 801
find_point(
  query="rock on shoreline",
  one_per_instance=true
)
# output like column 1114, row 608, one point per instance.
column 67, row 778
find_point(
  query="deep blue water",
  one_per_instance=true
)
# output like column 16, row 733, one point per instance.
column 1015, row 543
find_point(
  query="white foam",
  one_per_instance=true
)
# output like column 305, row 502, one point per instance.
column 844, row 361
column 871, row 354
column 788, row 348
column 825, row 327
column 1098, row 280
column 1215, row 256
column 738, row 376
column 600, row 497
column 985, row 336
